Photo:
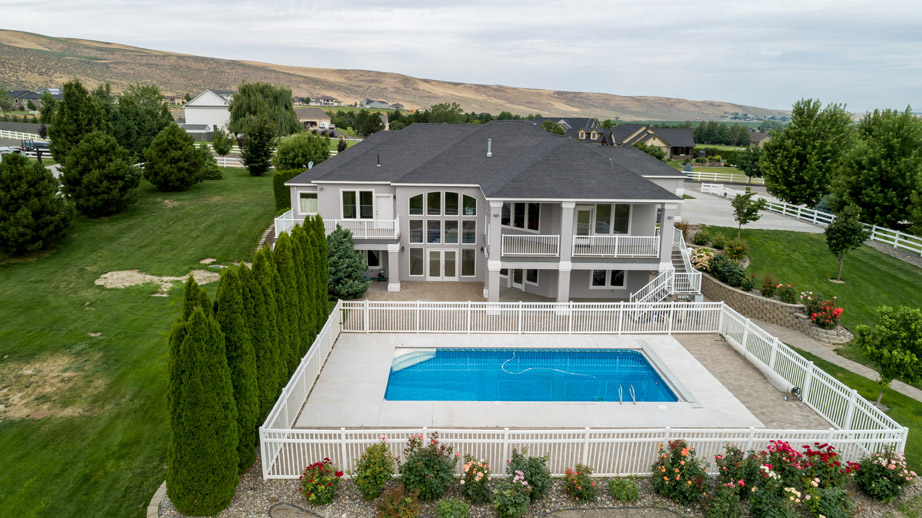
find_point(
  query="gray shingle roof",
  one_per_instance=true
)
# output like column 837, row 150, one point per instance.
column 619, row 133
column 676, row 137
column 569, row 122
column 636, row 161
column 527, row 162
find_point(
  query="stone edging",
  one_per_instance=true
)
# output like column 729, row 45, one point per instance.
column 153, row 509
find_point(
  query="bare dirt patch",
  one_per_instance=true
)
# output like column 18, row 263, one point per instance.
column 36, row 389
column 207, row 260
column 125, row 278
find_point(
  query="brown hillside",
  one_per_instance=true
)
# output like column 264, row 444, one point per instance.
column 31, row 61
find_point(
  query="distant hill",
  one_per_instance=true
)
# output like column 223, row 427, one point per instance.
column 30, row 60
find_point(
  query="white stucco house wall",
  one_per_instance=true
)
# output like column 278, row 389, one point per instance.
column 211, row 108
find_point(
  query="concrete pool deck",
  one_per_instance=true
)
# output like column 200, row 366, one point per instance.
column 350, row 389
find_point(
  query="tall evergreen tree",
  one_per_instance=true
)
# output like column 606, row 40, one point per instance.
column 241, row 360
column 202, row 460
column 347, row 266
column 172, row 162
column 880, row 171
column 286, row 301
column 319, row 286
column 32, row 215
column 305, row 302
column 799, row 161
column 193, row 296
column 270, row 282
column 75, row 116
column 256, row 150
column 139, row 116
column 257, row 312
column 99, row 176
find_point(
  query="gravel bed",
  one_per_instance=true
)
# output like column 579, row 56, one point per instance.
column 898, row 253
column 256, row 496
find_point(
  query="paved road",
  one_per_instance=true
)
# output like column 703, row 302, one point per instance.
column 708, row 209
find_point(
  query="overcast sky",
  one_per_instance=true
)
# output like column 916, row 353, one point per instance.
column 867, row 54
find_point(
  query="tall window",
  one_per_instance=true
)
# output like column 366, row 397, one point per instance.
column 358, row 204
column 416, row 261
column 416, row 205
column 308, row 203
column 416, row 231
column 612, row 219
column 470, row 205
column 468, row 262
column 434, row 204
column 469, row 232
column 526, row 216
column 434, row 231
column 451, row 204
column 451, row 231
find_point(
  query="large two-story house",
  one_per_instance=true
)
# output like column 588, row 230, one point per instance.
column 505, row 204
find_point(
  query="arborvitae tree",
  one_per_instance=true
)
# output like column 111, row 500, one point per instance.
column 305, row 304
column 270, row 282
column 99, row 176
column 202, row 460
column 222, row 142
column 140, row 115
column 347, row 266
column 193, row 297
column 341, row 145
column 258, row 321
column 256, row 150
column 32, row 215
column 253, row 101
column 171, row 161
column 319, row 286
column 241, row 359
column 298, row 151
column 324, row 265
column 284, row 264
column 75, row 117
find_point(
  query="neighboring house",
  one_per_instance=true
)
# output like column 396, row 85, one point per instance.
column 627, row 134
column 325, row 100
column 676, row 142
column 570, row 123
column 505, row 204
column 199, row 132
column 759, row 138
column 174, row 100
column 370, row 103
column 22, row 98
column 211, row 108
column 592, row 136
column 312, row 118
column 398, row 106
column 298, row 100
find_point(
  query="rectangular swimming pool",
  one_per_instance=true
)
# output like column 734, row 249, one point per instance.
column 524, row 375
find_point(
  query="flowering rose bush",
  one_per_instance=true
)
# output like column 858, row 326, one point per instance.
column 319, row 482
column 884, row 475
column 787, row 293
column 511, row 498
column 822, row 312
column 535, row 469
column 678, row 474
column 738, row 468
column 475, row 484
column 724, row 501
column 429, row 467
column 821, row 464
column 578, row 485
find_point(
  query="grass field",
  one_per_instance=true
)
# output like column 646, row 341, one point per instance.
column 871, row 278
column 95, row 444
column 724, row 170
column 902, row 409
column 721, row 147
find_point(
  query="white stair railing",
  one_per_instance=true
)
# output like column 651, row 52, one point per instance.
column 658, row 289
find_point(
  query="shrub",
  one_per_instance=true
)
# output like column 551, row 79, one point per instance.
column 210, row 169
column 428, row 469
column 822, row 312
column 787, row 293
column 475, row 484
column 282, row 193
column 623, row 489
column 535, row 469
column 768, row 285
column 319, row 482
column 298, row 151
column 511, row 498
column 32, row 214
column 99, row 176
column 749, row 283
column 785, row 462
column 883, row 475
column 766, row 503
column 718, row 241
column 396, row 502
column 452, row 508
column 172, row 162
column 736, row 249
column 727, row 271
column 831, row 502
column 736, row 467
column 375, row 468
column 724, row 502
column 222, row 142
column 347, row 268
column 677, row 474
column 701, row 259
column 578, row 485
column 701, row 237
column 822, row 466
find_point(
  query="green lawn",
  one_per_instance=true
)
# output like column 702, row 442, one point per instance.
column 904, row 410
column 725, row 170
column 871, row 278
column 721, row 147
column 102, row 450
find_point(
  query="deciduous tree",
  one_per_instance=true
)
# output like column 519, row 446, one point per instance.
column 746, row 209
column 656, row 152
column 845, row 234
column 297, row 151
column 799, row 161
column 256, row 150
column 894, row 345
column 32, row 214
column 99, row 176
column 552, row 127
column 222, row 142
column 255, row 101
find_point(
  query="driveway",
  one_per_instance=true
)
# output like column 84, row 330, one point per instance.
column 708, row 209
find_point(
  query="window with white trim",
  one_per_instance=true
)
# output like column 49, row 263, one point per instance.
column 358, row 204
column 531, row 277
column 308, row 203
column 433, row 231
column 468, row 262
column 416, row 231
column 451, row 204
column 612, row 219
column 525, row 216
column 607, row 279
column 434, row 204
column 373, row 257
column 416, row 205
column 416, row 262
column 469, row 232
column 451, row 231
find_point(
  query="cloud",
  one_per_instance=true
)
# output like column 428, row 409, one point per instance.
column 765, row 53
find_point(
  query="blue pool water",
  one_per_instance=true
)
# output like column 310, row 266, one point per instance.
column 524, row 375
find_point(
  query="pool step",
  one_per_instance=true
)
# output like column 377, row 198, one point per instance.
column 406, row 360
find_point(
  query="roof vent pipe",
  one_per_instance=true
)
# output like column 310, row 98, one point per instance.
column 379, row 161
column 489, row 147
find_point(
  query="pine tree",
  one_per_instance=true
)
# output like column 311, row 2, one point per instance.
column 139, row 117
column 286, row 302
column 241, row 359
column 171, row 161
column 73, row 118
column 32, row 215
column 347, row 266
column 263, row 332
column 202, row 459
column 99, row 176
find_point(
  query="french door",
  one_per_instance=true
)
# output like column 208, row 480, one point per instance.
column 442, row 265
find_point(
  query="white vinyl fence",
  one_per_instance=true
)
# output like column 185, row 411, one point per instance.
column 18, row 135
column 887, row 236
column 859, row 427
column 700, row 176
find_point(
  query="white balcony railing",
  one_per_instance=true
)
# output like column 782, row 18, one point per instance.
column 616, row 246
column 531, row 245
column 366, row 228
column 286, row 222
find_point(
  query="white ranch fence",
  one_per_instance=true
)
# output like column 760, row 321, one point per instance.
column 857, row 426
column 887, row 236
column 18, row 135
column 700, row 176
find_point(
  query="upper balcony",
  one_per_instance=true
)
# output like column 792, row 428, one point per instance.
column 360, row 228
column 601, row 246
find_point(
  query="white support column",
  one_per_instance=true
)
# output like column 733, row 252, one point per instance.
column 566, row 250
column 667, row 228
column 393, row 267
column 495, row 244
column 492, row 285
column 563, row 281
